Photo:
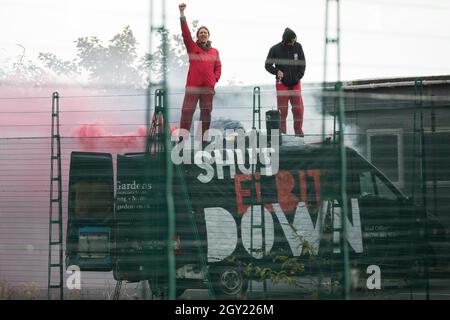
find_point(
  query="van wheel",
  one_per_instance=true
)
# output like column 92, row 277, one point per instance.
column 228, row 282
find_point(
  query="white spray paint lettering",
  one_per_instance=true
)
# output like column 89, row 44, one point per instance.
column 222, row 230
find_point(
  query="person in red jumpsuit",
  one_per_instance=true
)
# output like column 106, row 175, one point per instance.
column 204, row 71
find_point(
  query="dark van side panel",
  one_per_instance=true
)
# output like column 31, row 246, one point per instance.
column 381, row 228
column 141, row 220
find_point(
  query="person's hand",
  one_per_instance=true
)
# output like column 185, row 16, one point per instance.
column 280, row 75
column 182, row 6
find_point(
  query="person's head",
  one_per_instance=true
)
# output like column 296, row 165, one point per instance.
column 289, row 37
column 203, row 34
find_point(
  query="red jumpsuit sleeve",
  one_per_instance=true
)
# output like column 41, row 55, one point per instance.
column 187, row 38
column 217, row 67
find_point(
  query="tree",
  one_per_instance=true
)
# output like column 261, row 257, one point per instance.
column 114, row 64
column 177, row 60
column 21, row 69
column 60, row 67
column 117, row 64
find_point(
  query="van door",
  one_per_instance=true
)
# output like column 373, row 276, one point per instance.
column 386, row 226
column 89, row 239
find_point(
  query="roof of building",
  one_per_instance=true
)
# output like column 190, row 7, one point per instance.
column 395, row 82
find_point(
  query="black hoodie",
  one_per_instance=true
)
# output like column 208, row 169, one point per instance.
column 288, row 59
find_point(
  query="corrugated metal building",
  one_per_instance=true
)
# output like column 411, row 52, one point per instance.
column 403, row 126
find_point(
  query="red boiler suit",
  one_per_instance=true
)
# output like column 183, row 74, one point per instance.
column 204, row 71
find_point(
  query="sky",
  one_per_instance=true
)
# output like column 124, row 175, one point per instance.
column 379, row 38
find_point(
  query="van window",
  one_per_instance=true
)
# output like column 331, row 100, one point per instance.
column 93, row 200
column 372, row 184
column 93, row 246
column 366, row 184
column 383, row 190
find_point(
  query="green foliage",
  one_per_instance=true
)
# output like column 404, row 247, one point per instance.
column 283, row 269
column 59, row 66
column 117, row 63
column 177, row 59
column 21, row 69
column 113, row 64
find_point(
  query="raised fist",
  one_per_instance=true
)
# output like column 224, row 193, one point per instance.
column 182, row 6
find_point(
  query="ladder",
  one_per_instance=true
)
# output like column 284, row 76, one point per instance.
column 154, row 147
column 155, row 138
column 55, row 244
column 256, row 111
column 256, row 107
column 255, row 201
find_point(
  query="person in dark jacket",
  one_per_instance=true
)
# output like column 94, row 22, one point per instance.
column 286, row 61
column 204, row 72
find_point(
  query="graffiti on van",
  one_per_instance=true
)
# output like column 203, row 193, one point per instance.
column 242, row 153
column 222, row 229
column 294, row 205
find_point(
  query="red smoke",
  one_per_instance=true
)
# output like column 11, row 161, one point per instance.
column 94, row 137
